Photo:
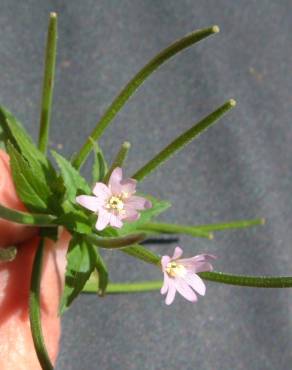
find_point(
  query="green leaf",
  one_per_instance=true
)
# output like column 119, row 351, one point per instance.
column 73, row 181
column 158, row 206
column 75, row 219
column 7, row 254
column 102, row 274
column 14, row 133
column 99, row 168
column 183, row 140
column 135, row 83
column 142, row 253
column 81, row 261
column 34, row 193
column 119, row 159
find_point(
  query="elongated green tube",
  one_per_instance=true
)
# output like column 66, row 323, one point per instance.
column 175, row 229
column 34, row 310
column 135, row 83
column 182, row 140
column 48, row 83
column 25, row 218
column 112, row 243
column 119, row 159
column 218, row 277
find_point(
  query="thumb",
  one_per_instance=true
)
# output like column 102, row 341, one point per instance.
column 17, row 348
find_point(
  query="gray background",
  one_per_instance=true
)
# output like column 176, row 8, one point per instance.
column 239, row 169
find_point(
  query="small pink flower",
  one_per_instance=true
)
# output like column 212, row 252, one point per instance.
column 115, row 202
column 181, row 275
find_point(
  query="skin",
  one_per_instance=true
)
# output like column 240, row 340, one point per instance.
column 16, row 345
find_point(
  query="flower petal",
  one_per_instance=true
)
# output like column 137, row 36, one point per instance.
column 89, row 202
column 102, row 220
column 101, row 191
column 115, row 181
column 171, row 292
column 195, row 282
column 115, row 221
column 183, row 288
column 164, row 287
column 164, row 261
column 136, row 202
column 130, row 215
column 129, row 186
column 177, row 253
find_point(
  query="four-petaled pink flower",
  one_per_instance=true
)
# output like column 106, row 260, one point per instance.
column 181, row 275
column 115, row 202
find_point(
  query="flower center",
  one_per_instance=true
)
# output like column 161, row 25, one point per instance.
column 175, row 269
column 115, row 203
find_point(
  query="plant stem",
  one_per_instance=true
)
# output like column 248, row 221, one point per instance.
column 135, row 83
column 182, row 140
column 25, row 218
column 48, row 83
column 34, row 310
column 119, row 159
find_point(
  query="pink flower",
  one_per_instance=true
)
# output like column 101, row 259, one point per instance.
column 115, row 202
column 181, row 275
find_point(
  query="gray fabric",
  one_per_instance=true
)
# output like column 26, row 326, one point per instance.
column 239, row 169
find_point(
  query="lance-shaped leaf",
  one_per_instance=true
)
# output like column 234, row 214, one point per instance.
column 99, row 168
column 32, row 190
column 14, row 133
column 73, row 181
column 81, row 261
column 102, row 272
column 183, row 140
column 135, row 83
column 119, row 159
column 75, row 219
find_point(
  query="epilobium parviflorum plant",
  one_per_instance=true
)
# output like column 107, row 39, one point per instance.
column 53, row 199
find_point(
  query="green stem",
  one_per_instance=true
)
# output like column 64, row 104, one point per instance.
column 175, row 229
column 182, row 140
column 230, row 225
column 32, row 219
column 48, row 83
column 120, row 242
column 119, row 159
column 34, row 310
column 135, row 83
